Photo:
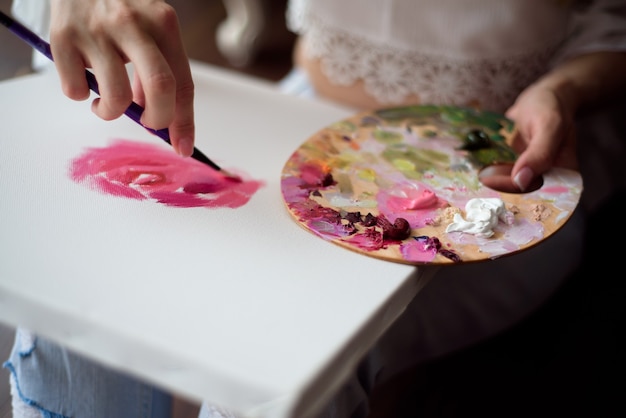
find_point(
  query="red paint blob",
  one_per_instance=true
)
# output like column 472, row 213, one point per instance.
column 136, row 170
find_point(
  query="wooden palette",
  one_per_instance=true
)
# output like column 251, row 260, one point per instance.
column 351, row 182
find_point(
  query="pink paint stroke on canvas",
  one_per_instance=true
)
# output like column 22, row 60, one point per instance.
column 141, row 171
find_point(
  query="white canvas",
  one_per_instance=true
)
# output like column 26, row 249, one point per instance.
column 239, row 306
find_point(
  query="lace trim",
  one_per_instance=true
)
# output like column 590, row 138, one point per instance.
column 392, row 75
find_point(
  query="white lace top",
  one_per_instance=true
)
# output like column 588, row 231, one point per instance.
column 482, row 52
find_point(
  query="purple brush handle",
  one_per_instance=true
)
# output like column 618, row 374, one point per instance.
column 134, row 111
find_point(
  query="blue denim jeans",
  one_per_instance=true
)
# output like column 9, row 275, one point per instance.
column 57, row 383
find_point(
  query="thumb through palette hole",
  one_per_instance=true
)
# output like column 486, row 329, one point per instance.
column 498, row 177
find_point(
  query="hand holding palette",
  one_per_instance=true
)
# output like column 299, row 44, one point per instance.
column 401, row 184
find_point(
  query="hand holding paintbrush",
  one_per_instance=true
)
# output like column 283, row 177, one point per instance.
column 162, row 75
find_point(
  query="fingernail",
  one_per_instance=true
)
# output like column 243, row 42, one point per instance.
column 523, row 178
column 185, row 147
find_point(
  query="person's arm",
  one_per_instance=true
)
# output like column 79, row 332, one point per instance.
column 104, row 35
column 545, row 112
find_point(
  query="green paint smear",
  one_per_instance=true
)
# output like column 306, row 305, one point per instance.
column 367, row 174
column 343, row 126
column 387, row 137
column 349, row 159
column 413, row 162
column 498, row 153
column 488, row 121
column 455, row 120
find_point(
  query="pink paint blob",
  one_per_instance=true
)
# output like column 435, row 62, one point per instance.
column 316, row 175
column 555, row 190
column 415, row 202
column 416, row 251
column 413, row 199
column 369, row 240
column 141, row 171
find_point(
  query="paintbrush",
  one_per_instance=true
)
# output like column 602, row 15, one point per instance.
column 134, row 111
